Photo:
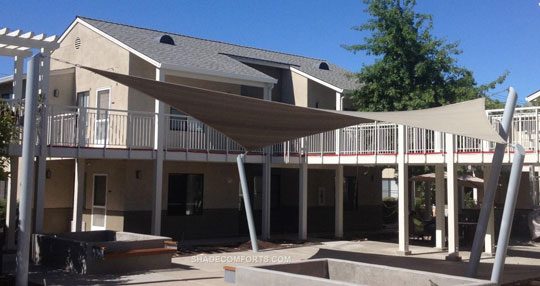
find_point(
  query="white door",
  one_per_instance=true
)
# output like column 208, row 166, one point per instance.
column 103, row 103
column 99, row 203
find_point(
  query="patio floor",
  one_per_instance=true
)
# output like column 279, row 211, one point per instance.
column 523, row 263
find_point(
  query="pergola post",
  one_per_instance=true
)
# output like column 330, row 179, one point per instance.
column 440, row 218
column 159, row 133
column 11, row 205
column 403, row 192
column 267, row 179
column 452, row 198
column 18, row 77
column 27, row 170
column 338, row 202
column 42, row 157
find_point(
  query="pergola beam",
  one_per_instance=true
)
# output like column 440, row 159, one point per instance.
column 15, row 52
column 28, row 39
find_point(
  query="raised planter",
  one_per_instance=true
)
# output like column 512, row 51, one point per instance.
column 319, row 272
column 102, row 251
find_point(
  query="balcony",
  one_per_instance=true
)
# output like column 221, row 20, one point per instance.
column 109, row 130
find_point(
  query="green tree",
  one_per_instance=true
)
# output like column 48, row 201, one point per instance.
column 413, row 69
column 7, row 128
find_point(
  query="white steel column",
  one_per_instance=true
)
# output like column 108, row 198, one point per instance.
column 489, row 242
column 42, row 158
column 453, row 204
column 338, row 202
column 159, row 136
column 267, row 179
column 302, row 195
column 403, row 195
column 78, row 194
column 440, row 218
column 339, row 106
column 11, row 204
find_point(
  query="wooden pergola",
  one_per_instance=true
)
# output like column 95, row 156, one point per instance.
column 21, row 45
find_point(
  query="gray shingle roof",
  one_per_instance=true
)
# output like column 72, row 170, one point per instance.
column 216, row 57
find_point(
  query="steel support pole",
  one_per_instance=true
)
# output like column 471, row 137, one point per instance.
column 491, row 187
column 247, row 203
column 508, row 214
column 27, row 170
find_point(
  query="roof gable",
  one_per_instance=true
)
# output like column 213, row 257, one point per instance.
column 203, row 56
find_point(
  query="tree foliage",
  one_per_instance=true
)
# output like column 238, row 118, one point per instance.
column 7, row 127
column 413, row 69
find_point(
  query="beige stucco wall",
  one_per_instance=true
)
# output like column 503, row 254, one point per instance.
column 98, row 52
column 138, row 101
column 300, row 89
column 368, row 184
column 65, row 84
column 320, row 95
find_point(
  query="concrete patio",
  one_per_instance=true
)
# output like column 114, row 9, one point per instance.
column 523, row 263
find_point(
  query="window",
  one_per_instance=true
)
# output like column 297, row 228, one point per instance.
column 389, row 188
column 185, row 195
column 178, row 121
column 6, row 95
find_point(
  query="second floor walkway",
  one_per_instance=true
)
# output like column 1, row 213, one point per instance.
column 118, row 134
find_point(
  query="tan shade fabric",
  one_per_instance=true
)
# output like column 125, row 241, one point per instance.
column 256, row 123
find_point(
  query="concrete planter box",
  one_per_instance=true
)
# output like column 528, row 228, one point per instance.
column 318, row 272
column 101, row 251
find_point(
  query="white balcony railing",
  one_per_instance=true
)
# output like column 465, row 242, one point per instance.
column 108, row 128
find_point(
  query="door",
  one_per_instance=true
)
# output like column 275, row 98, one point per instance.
column 103, row 102
column 99, row 203
column 82, row 112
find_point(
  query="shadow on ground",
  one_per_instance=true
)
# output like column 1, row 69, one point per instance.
column 43, row 276
column 512, row 272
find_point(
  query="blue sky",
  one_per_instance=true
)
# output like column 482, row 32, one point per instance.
column 495, row 35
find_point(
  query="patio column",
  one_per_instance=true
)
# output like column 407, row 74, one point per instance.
column 42, row 157
column 489, row 242
column 267, row 179
column 78, row 195
column 453, row 204
column 338, row 203
column 440, row 218
column 403, row 193
column 159, row 136
column 339, row 106
column 11, row 203
column 302, row 198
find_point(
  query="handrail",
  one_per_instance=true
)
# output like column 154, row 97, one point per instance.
column 113, row 128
